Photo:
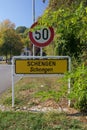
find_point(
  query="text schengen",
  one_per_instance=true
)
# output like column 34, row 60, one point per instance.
column 42, row 66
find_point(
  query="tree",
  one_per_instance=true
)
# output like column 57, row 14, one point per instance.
column 6, row 24
column 21, row 29
column 44, row 1
column 11, row 43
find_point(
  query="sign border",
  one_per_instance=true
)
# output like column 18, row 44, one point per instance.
column 41, row 44
column 43, row 73
column 41, row 57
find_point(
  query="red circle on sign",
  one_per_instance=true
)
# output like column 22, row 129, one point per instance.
column 44, row 43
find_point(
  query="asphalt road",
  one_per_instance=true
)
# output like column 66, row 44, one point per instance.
column 5, row 77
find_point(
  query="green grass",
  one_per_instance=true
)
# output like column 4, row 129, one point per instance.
column 38, row 121
column 26, row 90
column 25, row 95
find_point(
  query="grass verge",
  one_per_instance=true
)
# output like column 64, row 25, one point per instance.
column 27, row 89
column 38, row 121
column 25, row 95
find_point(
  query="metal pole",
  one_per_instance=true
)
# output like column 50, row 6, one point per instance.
column 69, row 86
column 41, row 52
column 69, row 101
column 12, row 82
column 33, row 18
column 33, row 10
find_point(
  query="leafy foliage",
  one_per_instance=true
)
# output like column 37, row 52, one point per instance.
column 6, row 24
column 78, row 92
column 21, row 29
column 69, row 23
column 11, row 43
column 69, row 19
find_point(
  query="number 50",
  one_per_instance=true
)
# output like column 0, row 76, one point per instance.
column 43, row 34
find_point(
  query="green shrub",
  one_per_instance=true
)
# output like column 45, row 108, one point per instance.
column 79, row 87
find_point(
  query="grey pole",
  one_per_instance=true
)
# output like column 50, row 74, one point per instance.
column 33, row 18
column 69, row 84
column 33, row 10
column 12, row 71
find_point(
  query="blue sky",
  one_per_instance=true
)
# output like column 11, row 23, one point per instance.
column 20, row 11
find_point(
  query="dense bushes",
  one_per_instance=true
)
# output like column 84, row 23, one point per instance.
column 69, row 20
column 78, row 92
column 69, row 23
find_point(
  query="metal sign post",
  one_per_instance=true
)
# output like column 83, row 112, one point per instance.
column 39, row 66
column 41, row 52
column 13, row 82
column 69, row 87
column 33, row 17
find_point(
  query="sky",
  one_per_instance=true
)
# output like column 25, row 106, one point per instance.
column 19, row 12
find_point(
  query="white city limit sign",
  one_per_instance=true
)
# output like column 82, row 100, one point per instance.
column 42, row 37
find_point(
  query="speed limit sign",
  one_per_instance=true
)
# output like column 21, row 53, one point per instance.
column 42, row 37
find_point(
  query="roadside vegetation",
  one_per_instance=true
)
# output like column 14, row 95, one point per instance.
column 31, row 92
column 12, row 40
column 38, row 121
column 69, row 20
column 68, row 17
column 31, row 111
